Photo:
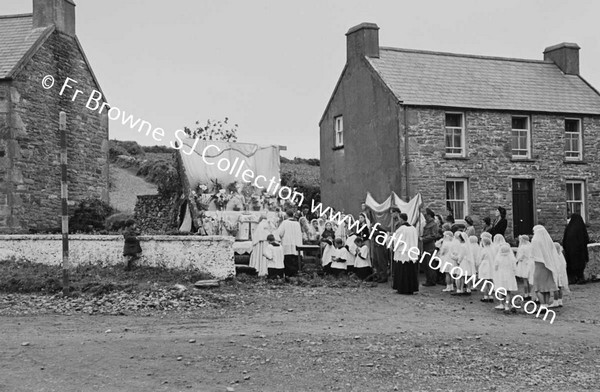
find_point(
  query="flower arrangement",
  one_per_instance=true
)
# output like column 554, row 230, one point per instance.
column 221, row 199
column 201, row 198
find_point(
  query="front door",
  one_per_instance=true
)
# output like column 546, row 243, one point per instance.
column 522, row 207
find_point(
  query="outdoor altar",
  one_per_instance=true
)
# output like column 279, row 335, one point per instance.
column 221, row 201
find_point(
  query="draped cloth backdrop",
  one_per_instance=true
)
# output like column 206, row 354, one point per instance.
column 410, row 208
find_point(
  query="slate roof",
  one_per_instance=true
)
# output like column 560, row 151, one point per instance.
column 478, row 82
column 18, row 40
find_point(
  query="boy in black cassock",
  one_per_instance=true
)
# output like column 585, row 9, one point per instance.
column 131, row 248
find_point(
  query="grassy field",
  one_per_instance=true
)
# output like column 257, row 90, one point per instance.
column 126, row 186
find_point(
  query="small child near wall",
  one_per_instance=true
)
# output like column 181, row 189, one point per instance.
column 131, row 248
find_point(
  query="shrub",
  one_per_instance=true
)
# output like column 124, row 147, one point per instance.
column 90, row 216
column 162, row 173
column 117, row 221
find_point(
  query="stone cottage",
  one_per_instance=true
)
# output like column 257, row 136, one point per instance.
column 469, row 133
column 31, row 47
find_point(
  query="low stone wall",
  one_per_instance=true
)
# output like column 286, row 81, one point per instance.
column 209, row 254
column 156, row 214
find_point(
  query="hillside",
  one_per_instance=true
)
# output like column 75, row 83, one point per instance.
column 125, row 187
column 137, row 170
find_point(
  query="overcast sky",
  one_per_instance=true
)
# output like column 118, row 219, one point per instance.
column 271, row 66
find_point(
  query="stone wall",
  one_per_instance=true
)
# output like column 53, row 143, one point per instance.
column 156, row 214
column 209, row 254
column 490, row 169
column 29, row 139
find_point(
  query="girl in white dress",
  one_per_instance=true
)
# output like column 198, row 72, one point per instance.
column 485, row 271
column 525, row 265
column 504, row 275
column 446, row 264
column 467, row 263
column 563, row 280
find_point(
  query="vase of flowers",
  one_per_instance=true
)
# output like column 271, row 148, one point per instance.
column 221, row 198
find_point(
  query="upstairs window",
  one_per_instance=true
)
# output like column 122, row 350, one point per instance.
column 521, row 136
column 455, row 135
column 456, row 197
column 576, row 197
column 339, row 131
column 573, row 140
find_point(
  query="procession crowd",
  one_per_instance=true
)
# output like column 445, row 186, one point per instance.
column 449, row 254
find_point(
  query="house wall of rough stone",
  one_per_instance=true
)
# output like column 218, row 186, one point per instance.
column 32, row 170
column 490, row 169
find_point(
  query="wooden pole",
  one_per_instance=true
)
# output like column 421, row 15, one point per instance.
column 64, row 197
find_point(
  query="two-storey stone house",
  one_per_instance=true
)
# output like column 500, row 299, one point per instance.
column 470, row 133
column 31, row 47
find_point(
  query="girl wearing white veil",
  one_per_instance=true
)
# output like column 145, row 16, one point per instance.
column 504, row 276
column 467, row 263
column 563, row 279
column 446, row 264
column 543, row 253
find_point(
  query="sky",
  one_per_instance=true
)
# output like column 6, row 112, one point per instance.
column 270, row 66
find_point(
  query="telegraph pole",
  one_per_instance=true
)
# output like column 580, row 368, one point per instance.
column 64, row 197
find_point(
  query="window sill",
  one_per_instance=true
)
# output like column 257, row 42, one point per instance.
column 574, row 162
column 456, row 157
column 527, row 160
column 338, row 147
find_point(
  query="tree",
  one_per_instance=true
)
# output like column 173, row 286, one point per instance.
column 214, row 130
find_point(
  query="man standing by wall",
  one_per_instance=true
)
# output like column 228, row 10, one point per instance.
column 430, row 236
column 291, row 236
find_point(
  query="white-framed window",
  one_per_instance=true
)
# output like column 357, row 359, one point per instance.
column 573, row 139
column 455, row 134
column 457, row 197
column 576, row 197
column 521, row 137
column 339, row 131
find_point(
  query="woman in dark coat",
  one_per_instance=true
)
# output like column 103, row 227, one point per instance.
column 500, row 224
column 575, row 241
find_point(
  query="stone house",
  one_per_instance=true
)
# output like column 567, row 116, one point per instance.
column 469, row 133
column 31, row 47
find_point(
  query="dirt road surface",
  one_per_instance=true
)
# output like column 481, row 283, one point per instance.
column 285, row 337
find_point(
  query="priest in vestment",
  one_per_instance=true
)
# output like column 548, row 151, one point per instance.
column 291, row 236
column 259, row 241
column 405, row 243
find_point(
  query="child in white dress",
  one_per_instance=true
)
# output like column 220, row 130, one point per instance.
column 444, row 254
column 475, row 252
column 563, row 280
column 485, row 271
column 525, row 265
column 504, row 275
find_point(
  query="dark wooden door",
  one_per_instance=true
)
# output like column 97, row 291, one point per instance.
column 522, row 207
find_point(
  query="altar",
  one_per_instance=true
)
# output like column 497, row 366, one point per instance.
column 240, row 223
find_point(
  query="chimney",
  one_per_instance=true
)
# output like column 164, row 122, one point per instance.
column 565, row 56
column 362, row 40
column 60, row 13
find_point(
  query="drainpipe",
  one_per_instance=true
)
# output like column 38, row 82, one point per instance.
column 406, row 149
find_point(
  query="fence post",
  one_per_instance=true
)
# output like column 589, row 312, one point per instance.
column 64, row 197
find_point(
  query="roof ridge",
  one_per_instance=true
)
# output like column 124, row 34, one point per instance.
column 15, row 16
column 466, row 55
